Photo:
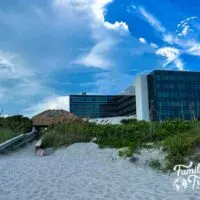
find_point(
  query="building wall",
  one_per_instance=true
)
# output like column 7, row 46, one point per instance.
column 142, row 102
column 158, row 96
column 129, row 91
column 92, row 106
column 100, row 106
column 126, row 105
column 174, row 94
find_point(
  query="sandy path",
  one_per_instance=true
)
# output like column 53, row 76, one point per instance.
column 82, row 172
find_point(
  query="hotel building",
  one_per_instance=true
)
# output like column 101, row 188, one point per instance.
column 157, row 96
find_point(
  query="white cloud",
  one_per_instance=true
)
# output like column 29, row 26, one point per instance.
column 5, row 61
column 184, row 27
column 101, row 44
column 142, row 40
column 98, row 7
column 179, row 63
column 53, row 102
column 169, row 38
column 40, row 13
column 131, row 8
column 2, row 93
column 96, row 10
column 183, row 41
column 169, row 52
column 111, row 82
column 94, row 58
column 152, row 20
column 185, row 31
column 155, row 46
column 104, row 33
column 12, row 66
column 187, row 45
column 186, row 20
column 30, row 87
column 18, row 81
column 119, row 26
column 172, row 55
column 181, row 36
column 194, row 49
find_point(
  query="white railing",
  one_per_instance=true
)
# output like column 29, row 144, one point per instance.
column 18, row 141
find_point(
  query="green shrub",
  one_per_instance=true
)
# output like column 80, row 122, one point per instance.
column 65, row 134
column 13, row 126
column 155, row 164
column 180, row 146
column 128, row 121
column 179, row 138
column 126, row 152
column 6, row 134
column 16, row 123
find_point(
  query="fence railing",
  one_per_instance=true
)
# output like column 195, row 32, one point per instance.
column 18, row 141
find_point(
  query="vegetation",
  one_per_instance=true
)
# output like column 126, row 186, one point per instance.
column 155, row 164
column 179, row 138
column 6, row 134
column 126, row 152
column 66, row 134
column 13, row 126
column 180, row 146
column 128, row 121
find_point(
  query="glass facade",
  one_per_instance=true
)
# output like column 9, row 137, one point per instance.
column 99, row 106
column 174, row 94
column 126, row 105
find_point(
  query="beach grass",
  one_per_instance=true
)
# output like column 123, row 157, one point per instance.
column 6, row 134
column 179, row 138
column 13, row 126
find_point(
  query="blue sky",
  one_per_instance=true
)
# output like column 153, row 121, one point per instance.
column 52, row 48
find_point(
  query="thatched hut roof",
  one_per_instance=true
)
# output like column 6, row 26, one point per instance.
column 50, row 117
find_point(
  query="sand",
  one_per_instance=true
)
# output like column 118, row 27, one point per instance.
column 82, row 172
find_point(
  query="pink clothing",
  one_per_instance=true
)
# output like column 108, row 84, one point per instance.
column 42, row 152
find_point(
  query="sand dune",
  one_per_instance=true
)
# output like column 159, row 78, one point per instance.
column 82, row 172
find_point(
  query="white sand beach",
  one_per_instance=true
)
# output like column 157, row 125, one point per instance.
column 82, row 172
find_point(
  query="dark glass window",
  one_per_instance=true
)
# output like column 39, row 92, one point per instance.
column 97, row 106
column 174, row 94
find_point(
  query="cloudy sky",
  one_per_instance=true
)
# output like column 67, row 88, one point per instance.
column 52, row 48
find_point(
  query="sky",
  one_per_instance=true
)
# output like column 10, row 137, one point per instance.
column 52, row 48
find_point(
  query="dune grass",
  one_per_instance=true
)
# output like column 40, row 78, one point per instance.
column 13, row 126
column 6, row 134
column 179, row 138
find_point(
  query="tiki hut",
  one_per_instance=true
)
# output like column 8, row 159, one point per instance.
column 50, row 117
